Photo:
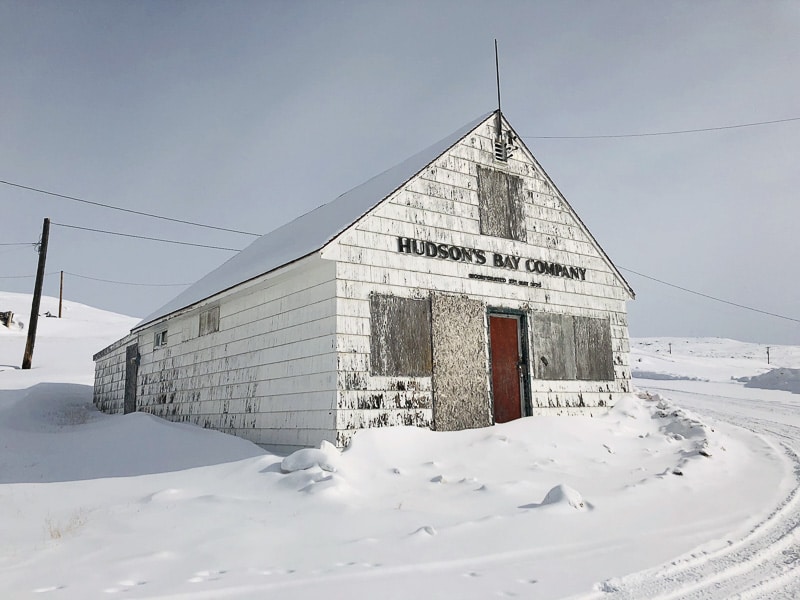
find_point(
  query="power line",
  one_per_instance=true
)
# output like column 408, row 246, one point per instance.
column 144, row 237
column 661, row 281
column 126, row 282
column 655, row 133
column 127, row 210
column 98, row 279
column 672, row 285
column 18, row 244
column 25, row 276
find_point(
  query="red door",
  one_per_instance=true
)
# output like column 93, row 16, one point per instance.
column 504, row 340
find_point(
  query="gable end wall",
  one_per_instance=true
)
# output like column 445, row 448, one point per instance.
column 441, row 205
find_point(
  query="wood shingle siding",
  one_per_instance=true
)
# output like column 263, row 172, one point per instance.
column 371, row 310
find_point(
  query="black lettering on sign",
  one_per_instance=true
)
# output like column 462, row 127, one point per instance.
column 406, row 245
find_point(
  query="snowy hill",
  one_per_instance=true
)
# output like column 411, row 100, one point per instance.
column 713, row 359
column 64, row 347
column 92, row 504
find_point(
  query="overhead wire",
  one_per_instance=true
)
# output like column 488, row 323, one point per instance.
column 25, row 276
column 657, row 133
column 127, row 210
column 18, row 243
column 186, row 222
column 144, row 237
column 743, row 306
column 134, row 283
column 126, row 282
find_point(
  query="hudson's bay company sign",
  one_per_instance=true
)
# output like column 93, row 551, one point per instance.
column 477, row 256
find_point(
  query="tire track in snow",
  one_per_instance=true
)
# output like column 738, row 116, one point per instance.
column 764, row 564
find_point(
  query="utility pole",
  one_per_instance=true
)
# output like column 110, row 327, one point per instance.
column 61, row 294
column 767, row 354
column 37, row 296
column 670, row 347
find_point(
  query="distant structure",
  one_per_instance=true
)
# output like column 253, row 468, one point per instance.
column 458, row 289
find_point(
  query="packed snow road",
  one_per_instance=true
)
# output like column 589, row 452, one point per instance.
column 763, row 564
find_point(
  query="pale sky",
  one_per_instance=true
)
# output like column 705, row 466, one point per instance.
column 248, row 114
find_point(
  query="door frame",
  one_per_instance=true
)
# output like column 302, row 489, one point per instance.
column 523, row 345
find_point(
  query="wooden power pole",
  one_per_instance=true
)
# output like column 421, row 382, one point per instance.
column 60, row 294
column 37, row 297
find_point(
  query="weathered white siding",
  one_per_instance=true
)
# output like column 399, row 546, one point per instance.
column 109, row 376
column 268, row 374
column 441, row 205
column 287, row 363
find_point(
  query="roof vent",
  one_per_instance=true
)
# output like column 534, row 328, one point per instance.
column 504, row 146
column 500, row 150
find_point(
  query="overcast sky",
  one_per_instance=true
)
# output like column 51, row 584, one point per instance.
column 248, row 114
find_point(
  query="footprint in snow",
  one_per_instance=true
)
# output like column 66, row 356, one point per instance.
column 353, row 563
column 123, row 586
column 202, row 576
column 50, row 588
column 425, row 531
column 276, row 571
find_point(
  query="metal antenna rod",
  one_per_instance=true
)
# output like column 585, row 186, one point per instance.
column 497, row 72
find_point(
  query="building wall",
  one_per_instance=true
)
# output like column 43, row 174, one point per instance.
column 268, row 374
column 442, row 205
column 109, row 376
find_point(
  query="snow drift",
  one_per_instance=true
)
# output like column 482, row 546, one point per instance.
column 94, row 504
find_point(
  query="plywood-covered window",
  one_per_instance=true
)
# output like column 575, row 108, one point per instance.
column 500, row 204
column 567, row 347
column 209, row 320
column 400, row 336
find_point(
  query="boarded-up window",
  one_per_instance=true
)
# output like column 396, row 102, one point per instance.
column 569, row 348
column 593, row 353
column 554, row 346
column 400, row 340
column 209, row 321
column 500, row 204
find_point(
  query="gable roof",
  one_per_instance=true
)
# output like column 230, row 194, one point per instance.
column 310, row 232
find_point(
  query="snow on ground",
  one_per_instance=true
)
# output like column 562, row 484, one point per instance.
column 714, row 359
column 782, row 378
column 93, row 504
column 765, row 563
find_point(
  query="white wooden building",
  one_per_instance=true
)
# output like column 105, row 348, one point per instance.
column 455, row 290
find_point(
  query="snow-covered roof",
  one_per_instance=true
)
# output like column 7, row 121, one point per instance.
column 309, row 232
